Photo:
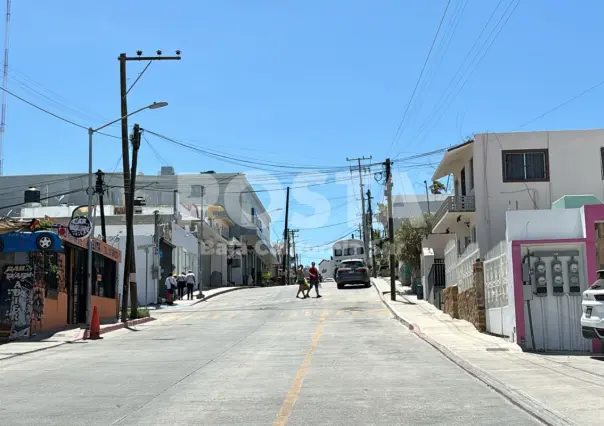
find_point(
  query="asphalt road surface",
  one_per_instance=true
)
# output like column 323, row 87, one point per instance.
column 253, row 357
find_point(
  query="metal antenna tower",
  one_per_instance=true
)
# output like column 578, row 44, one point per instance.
column 4, row 84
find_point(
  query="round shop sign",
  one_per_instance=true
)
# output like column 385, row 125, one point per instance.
column 79, row 227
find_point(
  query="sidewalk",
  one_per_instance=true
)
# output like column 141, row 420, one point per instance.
column 50, row 339
column 208, row 294
column 558, row 389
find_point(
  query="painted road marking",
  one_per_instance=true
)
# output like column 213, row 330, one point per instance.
column 292, row 395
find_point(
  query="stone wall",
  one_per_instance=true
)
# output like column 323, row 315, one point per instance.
column 471, row 302
column 451, row 301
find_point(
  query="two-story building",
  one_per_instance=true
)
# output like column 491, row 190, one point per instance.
column 238, row 215
column 498, row 172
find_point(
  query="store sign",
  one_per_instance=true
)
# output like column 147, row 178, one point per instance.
column 79, row 226
column 98, row 246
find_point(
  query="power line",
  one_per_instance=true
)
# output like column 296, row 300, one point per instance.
column 45, row 198
column 434, row 117
column 244, row 160
column 44, row 110
column 420, row 76
column 560, row 105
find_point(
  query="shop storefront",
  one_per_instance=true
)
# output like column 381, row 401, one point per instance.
column 30, row 285
column 104, row 278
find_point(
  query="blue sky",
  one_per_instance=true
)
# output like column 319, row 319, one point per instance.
column 301, row 82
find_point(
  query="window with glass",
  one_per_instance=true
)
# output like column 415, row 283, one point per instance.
column 525, row 166
column 337, row 252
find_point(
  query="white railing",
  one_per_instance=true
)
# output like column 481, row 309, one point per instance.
column 496, row 276
column 465, row 267
column 451, row 259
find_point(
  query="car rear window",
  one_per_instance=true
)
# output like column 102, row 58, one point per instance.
column 352, row 265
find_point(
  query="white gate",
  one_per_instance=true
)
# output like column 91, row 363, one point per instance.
column 496, row 285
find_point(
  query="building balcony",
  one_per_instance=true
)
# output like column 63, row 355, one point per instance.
column 455, row 209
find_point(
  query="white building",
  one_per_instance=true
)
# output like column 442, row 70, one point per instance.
column 232, row 212
column 497, row 172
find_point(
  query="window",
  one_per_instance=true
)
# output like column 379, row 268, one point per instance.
column 525, row 166
column 337, row 252
column 473, row 234
column 352, row 264
column 602, row 161
column 471, row 173
column 349, row 251
column 360, row 250
column 463, row 181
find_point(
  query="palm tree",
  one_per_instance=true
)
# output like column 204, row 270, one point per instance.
column 437, row 187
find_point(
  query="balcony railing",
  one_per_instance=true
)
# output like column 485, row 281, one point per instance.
column 455, row 204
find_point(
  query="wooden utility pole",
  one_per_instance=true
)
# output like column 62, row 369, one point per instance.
column 364, row 236
column 136, row 143
column 370, row 226
column 100, row 190
column 293, row 233
column 129, row 279
column 200, row 247
column 427, row 196
column 285, row 250
column 388, row 164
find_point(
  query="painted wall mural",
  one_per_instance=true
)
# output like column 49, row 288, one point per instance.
column 18, row 299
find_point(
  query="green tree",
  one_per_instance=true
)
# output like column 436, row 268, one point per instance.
column 437, row 187
column 408, row 239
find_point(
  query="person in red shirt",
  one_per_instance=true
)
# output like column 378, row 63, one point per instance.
column 313, row 273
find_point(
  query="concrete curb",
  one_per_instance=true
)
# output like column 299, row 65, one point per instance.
column 82, row 336
column 223, row 292
column 520, row 399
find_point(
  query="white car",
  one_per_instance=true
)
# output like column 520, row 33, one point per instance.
column 592, row 320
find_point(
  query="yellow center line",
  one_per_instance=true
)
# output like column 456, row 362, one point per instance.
column 294, row 391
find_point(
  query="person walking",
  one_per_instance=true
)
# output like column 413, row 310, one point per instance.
column 301, row 282
column 191, row 285
column 181, row 283
column 313, row 273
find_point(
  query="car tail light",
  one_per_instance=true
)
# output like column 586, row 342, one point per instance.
column 363, row 270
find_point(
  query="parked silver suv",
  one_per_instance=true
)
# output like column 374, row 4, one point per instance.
column 353, row 271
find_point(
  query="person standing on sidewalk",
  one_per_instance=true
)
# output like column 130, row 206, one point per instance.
column 181, row 283
column 313, row 273
column 191, row 285
column 170, row 284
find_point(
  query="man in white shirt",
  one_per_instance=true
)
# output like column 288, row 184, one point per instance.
column 191, row 285
column 170, row 284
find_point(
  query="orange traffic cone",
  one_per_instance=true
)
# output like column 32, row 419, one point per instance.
column 95, row 326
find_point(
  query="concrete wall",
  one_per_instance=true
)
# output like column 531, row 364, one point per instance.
column 574, row 168
column 544, row 224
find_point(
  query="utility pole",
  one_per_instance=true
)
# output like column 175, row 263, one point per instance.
column 155, row 265
column 364, row 235
column 370, row 225
column 200, row 247
column 136, row 143
column 130, row 261
column 100, row 190
column 293, row 233
column 388, row 164
column 284, row 255
column 427, row 196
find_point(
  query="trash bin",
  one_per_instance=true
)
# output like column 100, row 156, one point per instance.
column 419, row 291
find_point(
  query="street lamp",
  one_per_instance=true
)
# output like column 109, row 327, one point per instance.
column 90, row 192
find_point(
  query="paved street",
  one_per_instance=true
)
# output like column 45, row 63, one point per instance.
column 253, row 357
